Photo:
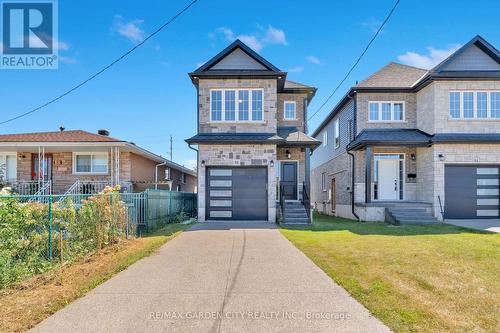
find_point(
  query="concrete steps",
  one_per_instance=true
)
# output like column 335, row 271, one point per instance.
column 410, row 213
column 295, row 213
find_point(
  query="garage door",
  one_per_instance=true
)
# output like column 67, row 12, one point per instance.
column 236, row 193
column 471, row 192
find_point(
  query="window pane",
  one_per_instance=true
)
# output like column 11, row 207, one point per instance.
column 221, row 172
column 337, row 133
column 468, row 102
column 373, row 111
column 495, row 104
column 230, row 105
column 290, row 110
column 99, row 163
column 216, row 105
column 243, row 104
column 455, row 105
column 398, row 111
column 482, row 104
column 325, row 138
column 83, row 163
column 256, row 104
column 386, row 111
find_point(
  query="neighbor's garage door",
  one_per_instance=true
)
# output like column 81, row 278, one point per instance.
column 236, row 193
column 471, row 191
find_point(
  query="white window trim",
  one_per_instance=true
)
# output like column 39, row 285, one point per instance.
column 323, row 181
column 236, row 99
column 92, row 154
column 294, row 108
column 325, row 138
column 474, row 105
column 379, row 112
column 336, row 134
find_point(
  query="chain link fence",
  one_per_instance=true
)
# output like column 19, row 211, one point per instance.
column 36, row 232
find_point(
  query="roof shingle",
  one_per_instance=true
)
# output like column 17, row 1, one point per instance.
column 393, row 75
column 59, row 136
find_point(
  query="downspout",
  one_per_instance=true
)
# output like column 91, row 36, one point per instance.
column 353, row 158
column 156, row 173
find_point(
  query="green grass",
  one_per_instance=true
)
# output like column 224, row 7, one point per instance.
column 23, row 306
column 438, row 278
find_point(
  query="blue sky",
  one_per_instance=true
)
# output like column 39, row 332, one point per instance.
column 149, row 96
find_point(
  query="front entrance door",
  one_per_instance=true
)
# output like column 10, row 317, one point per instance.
column 289, row 180
column 45, row 167
column 388, row 179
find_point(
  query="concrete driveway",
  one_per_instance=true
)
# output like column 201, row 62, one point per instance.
column 218, row 277
column 492, row 225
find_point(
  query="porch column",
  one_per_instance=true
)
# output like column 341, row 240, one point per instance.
column 368, row 174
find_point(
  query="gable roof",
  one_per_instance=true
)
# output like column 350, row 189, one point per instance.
column 393, row 75
column 59, row 136
column 237, row 44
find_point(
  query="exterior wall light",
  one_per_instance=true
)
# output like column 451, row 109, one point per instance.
column 271, row 164
column 288, row 154
column 413, row 157
column 202, row 162
column 441, row 157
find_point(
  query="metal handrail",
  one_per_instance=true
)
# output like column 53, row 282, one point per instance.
column 282, row 202
column 39, row 196
column 306, row 201
column 441, row 207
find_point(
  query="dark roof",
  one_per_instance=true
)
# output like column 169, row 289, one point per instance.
column 58, row 136
column 393, row 136
column 234, row 137
column 393, row 75
column 293, row 137
column 465, row 137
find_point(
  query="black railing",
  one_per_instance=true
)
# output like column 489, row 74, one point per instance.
column 282, row 202
column 441, row 207
column 306, row 201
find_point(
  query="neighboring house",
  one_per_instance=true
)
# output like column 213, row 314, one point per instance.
column 425, row 144
column 82, row 162
column 252, row 146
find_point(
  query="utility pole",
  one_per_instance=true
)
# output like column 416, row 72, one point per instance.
column 171, row 152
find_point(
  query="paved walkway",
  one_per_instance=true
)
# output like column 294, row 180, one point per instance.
column 492, row 225
column 218, row 277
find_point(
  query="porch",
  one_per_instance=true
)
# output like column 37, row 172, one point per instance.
column 392, row 176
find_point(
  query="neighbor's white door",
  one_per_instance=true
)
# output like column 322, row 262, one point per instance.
column 388, row 179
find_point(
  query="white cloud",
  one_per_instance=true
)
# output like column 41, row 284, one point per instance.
column 256, row 40
column 313, row 60
column 296, row 69
column 130, row 30
column 191, row 164
column 373, row 24
column 427, row 61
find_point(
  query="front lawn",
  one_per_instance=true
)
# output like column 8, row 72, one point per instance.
column 414, row 278
column 25, row 304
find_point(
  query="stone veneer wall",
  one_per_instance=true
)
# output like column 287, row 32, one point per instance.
column 443, row 124
column 299, row 100
column 237, row 155
column 363, row 113
column 269, row 125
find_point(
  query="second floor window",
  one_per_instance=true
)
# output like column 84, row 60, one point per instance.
column 290, row 110
column 337, row 133
column 236, row 105
column 386, row 111
column 325, row 138
column 167, row 173
column 475, row 104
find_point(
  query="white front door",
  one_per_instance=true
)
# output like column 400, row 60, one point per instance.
column 388, row 179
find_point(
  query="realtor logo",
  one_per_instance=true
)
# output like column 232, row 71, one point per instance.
column 29, row 35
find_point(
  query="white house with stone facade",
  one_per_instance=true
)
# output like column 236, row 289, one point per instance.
column 409, row 145
column 253, row 153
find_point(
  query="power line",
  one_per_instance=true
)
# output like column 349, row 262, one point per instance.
column 358, row 60
column 103, row 69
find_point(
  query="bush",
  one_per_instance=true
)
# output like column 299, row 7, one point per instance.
column 24, row 232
